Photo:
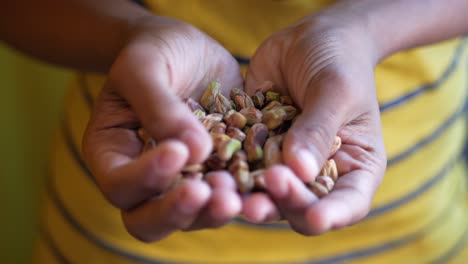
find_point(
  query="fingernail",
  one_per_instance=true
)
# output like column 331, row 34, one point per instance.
column 186, row 205
column 172, row 154
column 194, row 139
column 194, row 198
column 309, row 163
column 188, row 137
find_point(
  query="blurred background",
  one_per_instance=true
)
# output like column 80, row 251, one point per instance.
column 31, row 95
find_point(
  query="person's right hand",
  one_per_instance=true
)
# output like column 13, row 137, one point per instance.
column 163, row 61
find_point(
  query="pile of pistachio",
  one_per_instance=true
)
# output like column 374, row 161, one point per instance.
column 247, row 133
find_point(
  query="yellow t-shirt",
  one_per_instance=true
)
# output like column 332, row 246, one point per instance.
column 419, row 214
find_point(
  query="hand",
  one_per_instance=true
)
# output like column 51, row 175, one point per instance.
column 325, row 63
column 164, row 60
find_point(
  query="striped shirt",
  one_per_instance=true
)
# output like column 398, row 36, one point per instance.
column 419, row 214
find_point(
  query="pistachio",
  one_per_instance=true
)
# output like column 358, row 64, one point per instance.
column 252, row 114
column 219, row 128
column 146, row 139
column 272, row 151
column 283, row 128
column 326, row 181
column 199, row 113
column 193, row 168
column 208, row 98
column 290, row 111
column 276, row 116
column 246, row 130
column 330, row 169
column 219, row 139
column 254, row 141
column 241, row 99
column 235, row 119
column 333, row 170
column 210, row 120
column 228, row 148
column 259, row 179
column 215, row 163
column 241, row 175
column 272, row 96
column 271, row 105
column 254, row 153
column 222, row 104
column 258, row 99
column 193, row 105
column 273, row 118
column 336, row 146
column 236, row 133
column 149, row 144
column 318, row 189
column 239, row 155
column 143, row 135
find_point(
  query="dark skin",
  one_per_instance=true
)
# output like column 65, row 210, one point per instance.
column 325, row 62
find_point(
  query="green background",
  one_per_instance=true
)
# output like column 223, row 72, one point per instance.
column 31, row 95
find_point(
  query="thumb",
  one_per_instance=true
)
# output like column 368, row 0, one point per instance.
column 165, row 116
column 310, row 139
column 155, row 85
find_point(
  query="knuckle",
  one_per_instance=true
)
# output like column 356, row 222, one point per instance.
column 113, row 196
column 156, row 184
column 135, row 231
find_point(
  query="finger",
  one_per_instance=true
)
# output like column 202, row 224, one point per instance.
column 223, row 206
column 259, row 208
column 349, row 202
column 220, row 180
column 127, row 180
column 310, row 138
column 176, row 210
column 256, row 207
column 291, row 196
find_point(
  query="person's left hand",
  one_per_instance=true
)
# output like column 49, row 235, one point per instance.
column 325, row 63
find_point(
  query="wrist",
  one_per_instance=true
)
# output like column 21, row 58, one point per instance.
column 403, row 24
column 352, row 33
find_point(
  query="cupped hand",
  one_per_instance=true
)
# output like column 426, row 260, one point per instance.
column 163, row 62
column 325, row 62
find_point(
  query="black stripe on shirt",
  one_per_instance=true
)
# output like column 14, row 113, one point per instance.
column 51, row 245
column 84, row 89
column 454, row 251
column 139, row 2
column 432, row 86
column 429, row 139
column 71, row 146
